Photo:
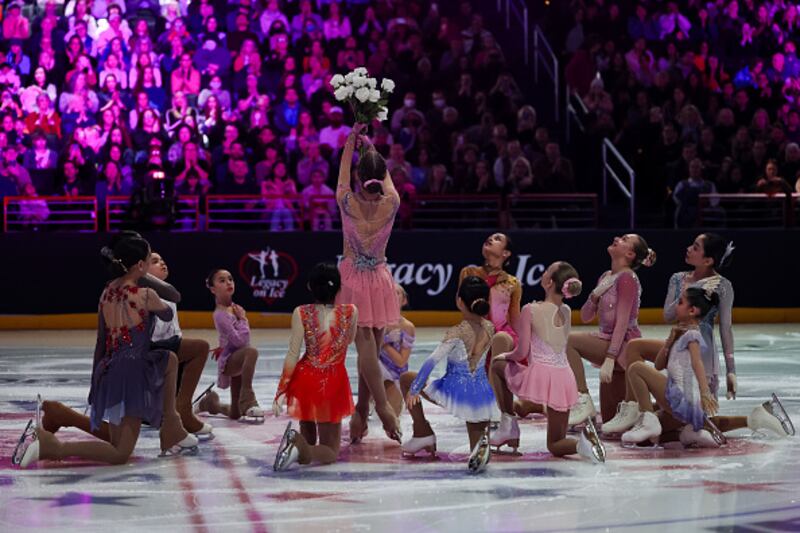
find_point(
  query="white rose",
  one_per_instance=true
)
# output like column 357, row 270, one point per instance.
column 337, row 80
column 374, row 96
column 383, row 114
column 349, row 77
column 359, row 82
column 362, row 95
column 342, row 93
column 387, row 85
column 360, row 71
column 372, row 83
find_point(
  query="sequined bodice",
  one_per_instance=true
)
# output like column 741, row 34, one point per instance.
column 326, row 347
column 366, row 227
column 607, row 305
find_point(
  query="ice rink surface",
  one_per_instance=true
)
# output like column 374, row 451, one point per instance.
column 751, row 485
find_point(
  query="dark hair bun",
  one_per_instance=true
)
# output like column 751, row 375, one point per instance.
column 324, row 282
column 474, row 292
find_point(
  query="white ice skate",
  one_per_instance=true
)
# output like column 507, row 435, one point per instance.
column 188, row 446
column 206, row 432
column 585, row 409
column 627, row 414
column 697, row 439
column 590, row 445
column 28, row 440
column 507, row 433
column 415, row 445
column 253, row 415
column 772, row 416
column 647, row 427
column 287, row 453
column 480, row 455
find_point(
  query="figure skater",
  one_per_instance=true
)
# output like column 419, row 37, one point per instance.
column 708, row 254
column 367, row 219
column 130, row 381
column 615, row 301
column 464, row 390
column 236, row 359
column 546, row 379
column 398, row 342
column 317, row 388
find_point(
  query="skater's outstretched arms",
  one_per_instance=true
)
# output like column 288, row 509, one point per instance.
column 444, row 349
column 164, row 290
column 521, row 351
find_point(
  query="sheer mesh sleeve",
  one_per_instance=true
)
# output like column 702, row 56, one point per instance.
column 162, row 288
column 589, row 309
column 673, row 295
column 445, row 348
column 726, row 324
column 293, row 354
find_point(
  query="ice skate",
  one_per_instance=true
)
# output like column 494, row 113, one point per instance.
column 288, row 453
column 207, row 402
column 697, row 439
column 28, row 437
column 188, row 446
column 590, row 445
column 585, row 409
column 480, row 455
column 647, row 427
column 507, row 433
column 248, row 406
column 718, row 436
column 772, row 416
column 627, row 414
column 416, row 444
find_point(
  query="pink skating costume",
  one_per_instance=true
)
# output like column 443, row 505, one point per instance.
column 505, row 294
column 234, row 334
column 617, row 309
column 547, row 378
column 366, row 280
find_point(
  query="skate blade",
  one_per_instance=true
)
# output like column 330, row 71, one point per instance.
column 413, row 455
column 716, row 434
column 639, row 445
column 283, row 448
column 509, row 451
column 25, row 440
column 252, row 420
column 479, row 459
column 775, row 408
column 203, row 394
column 179, row 451
column 598, row 449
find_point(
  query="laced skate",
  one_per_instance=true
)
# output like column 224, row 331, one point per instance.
column 774, row 408
column 647, row 427
column 585, row 409
column 480, row 455
column 417, row 444
column 627, row 414
column 248, row 406
column 697, row 439
column 589, row 433
column 507, row 433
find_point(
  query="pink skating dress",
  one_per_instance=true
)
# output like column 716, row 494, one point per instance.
column 617, row 310
column 547, row 378
column 366, row 280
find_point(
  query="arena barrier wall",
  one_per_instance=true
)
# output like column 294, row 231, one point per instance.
column 53, row 280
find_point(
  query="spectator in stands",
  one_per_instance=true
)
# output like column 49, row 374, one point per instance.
column 72, row 184
column 15, row 26
column 319, row 202
column 335, row 133
column 45, row 119
column 278, row 191
column 771, row 182
column 553, row 172
column 238, row 179
column 312, row 161
column 32, row 210
column 40, row 157
column 687, row 195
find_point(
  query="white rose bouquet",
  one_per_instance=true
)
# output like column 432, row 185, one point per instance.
column 367, row 101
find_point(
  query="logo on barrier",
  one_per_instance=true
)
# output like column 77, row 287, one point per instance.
column 268, row 272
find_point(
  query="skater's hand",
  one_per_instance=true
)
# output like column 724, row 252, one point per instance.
column 215, row 353
column 709, row 403
column 731, row 386
column 674, row 334
column 238, row 312
column 277, row 405
column 607, row 370
column 411, row 400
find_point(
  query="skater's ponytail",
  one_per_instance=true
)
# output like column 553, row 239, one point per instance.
column 702, row 299
column 123, row 252
column 324, row 282
column 371, row 171
column 474, row 292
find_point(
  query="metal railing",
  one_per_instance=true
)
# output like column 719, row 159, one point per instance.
column 187, row 213
column 239, row 211
column 553, row 211
column 573, row 112
column 50, row 213
column 630, row 191
column 757, row 210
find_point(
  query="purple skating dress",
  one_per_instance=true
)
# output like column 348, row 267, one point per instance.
column 128, row 377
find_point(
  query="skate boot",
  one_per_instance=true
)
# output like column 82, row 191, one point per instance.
column 480, row 455
column 589, row 444
column 772, row 416
column 248, row 406
column 207, row 402
column 697, row 439
column 506, row 434
column 416, row 444
column 187, row 446
column 585, row 409
column 647, row 427
column 627, row 414
column 28, row 438
column 288, row 454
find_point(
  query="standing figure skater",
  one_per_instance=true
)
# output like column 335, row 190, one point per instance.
column 367, row 219
column 615, row 301
column 546, row 379
column 398, row 342
column 236, row 359
column 464, row 390
column 130, row 381
column 708, row 254
column 316, row 389
column 192, row 355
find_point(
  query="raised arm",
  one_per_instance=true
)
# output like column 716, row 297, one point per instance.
column 162, row 288
column 346, row 163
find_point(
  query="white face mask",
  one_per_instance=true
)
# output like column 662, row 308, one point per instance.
column 409, row 102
